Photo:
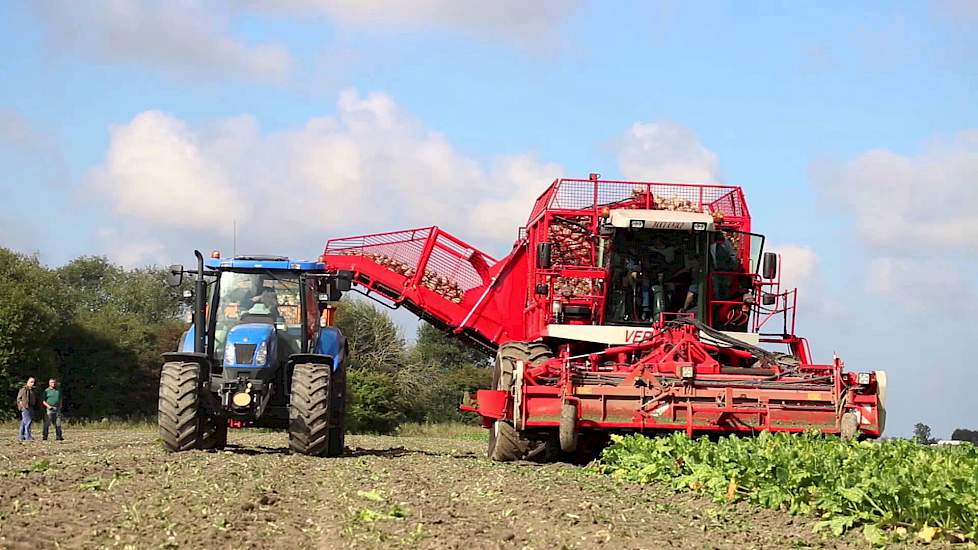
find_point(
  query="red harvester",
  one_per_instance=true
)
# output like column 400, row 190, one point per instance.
column 623, row 306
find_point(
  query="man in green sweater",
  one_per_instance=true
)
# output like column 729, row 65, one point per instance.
column 52, row 402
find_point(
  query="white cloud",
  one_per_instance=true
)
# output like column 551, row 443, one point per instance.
column 181, row 35
column 801, row 268
column 516, row 183
column 922, row 285
column 370, row 167
column 917, row 216
column 159, row 171
column 133, row 252
column 665, row 151
column 530, row 24
column 912, row 204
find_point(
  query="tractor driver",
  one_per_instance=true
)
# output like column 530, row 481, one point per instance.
column 268, row 296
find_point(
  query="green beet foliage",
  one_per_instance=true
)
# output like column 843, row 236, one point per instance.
column 890, row 488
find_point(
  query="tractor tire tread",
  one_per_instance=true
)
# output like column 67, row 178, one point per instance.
column 179, row 397
column 310, row 410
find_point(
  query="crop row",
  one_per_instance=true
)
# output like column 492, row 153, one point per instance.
column 892, row 489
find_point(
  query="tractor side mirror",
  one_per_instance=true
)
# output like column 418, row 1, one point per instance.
column 544, row 255
column 769, row 299
column 174, row 275
column 332, row 294
column 770, row 267
column 344, row 281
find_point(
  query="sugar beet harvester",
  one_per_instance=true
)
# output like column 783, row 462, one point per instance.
column 623, row 306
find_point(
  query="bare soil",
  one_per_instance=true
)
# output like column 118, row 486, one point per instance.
column 103, row 488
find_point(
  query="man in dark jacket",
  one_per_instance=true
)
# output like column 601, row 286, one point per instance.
column 26, row 401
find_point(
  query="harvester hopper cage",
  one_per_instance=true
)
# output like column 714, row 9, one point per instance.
column 426, row 257
column 726, row 203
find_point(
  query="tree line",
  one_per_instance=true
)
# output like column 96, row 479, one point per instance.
column 101, row 329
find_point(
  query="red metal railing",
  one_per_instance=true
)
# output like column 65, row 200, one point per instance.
column 432, row 273
column 577, row 194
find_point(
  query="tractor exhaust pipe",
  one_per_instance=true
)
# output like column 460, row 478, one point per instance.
column 199, row 292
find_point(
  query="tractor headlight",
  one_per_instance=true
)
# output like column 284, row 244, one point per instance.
column 262, row 354
column 229, row 353
column 686, row 371
column 862, row 378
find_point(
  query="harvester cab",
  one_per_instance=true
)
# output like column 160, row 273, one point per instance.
column 261, row 351
column 663, row 264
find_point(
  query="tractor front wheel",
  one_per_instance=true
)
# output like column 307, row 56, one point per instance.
column 311, row 411
column 180, row 420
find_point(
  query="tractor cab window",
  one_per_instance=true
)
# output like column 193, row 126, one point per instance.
column 655, row 272
column 253, row 297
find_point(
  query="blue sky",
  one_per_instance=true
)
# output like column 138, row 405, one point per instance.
column 853, row 130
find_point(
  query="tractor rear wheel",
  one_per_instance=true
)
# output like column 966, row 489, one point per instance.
column 215, row 433
column 310, row 410
column 505, row 442
column 337, row 432
column 179, row 409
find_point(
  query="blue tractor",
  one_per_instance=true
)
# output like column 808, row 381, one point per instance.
column 261, row 352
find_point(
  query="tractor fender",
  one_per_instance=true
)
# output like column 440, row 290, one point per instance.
column 331, row 342
column 188, row 357
column 313, row 358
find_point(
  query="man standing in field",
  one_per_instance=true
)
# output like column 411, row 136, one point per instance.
column 52, row 402
column 26, row 401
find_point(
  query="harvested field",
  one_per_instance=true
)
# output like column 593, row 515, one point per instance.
column 118, row 488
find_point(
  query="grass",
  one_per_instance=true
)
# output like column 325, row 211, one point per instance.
column 444, row 430
column 440, row 430
column 113, row 424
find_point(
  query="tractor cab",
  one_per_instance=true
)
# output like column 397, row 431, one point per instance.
column 258, row 316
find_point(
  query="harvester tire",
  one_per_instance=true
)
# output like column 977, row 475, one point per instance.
column 505, row 442
column 567, row 434
column 849, row 426
column 181, row 423
column 310, row 409
column 337, row 433
column 215, row 433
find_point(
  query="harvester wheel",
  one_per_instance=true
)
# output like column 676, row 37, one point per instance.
column 215, row 432
column 309, row 411
column 505, row 442
column 567, row 433
column 849, row 426
column 181, row 424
